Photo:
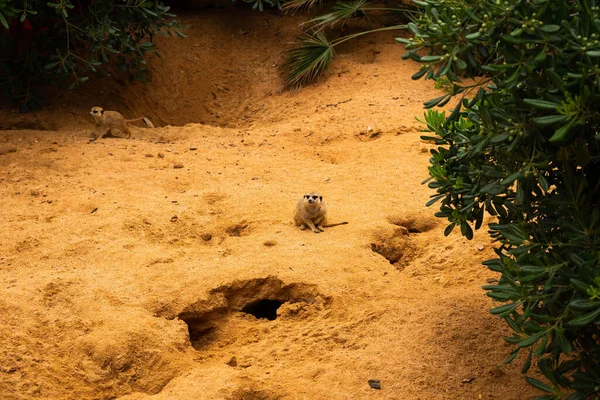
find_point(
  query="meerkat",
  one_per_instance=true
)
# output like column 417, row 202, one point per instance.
column 311, row 212
column 106, row 121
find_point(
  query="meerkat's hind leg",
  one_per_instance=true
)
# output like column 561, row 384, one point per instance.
column 303, row 227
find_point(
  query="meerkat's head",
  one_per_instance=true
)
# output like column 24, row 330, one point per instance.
column 97, row 112
column 313, row 198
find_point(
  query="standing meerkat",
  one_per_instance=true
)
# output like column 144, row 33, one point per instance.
column 106, row 121
column 311, row 212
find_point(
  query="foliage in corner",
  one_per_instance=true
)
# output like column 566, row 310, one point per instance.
column 315, row 52
column 66, row 41
column 522, row 144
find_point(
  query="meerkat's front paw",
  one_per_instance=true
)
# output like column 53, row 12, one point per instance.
column 302, row 227
column 320, row 228
column 316, row 230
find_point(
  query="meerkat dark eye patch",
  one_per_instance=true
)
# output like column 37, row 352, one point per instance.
column 320, row 198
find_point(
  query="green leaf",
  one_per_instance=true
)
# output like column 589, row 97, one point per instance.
column 531, row 339
column 430, row 58
column 541, row 56
column 541, row 104
column 550, row 28
column 593, row 53
column 539, row 385
column 543, row 182
column 582, row 154
column 585, row 319
column 305, row 63
column 3, row 21
column 517, row 32
column 51, row 65
column 511, row 178
column 504, row 308
column 533, row 269
column 449, row 229
column 561, row 134
column 419, row 74
column 466, row 230
column 579, row 285
column 435, row 102
column 542, row 346
column 499, row 138
column 512, row 356
column 565, row 345
column 556, row 79
column 527, row 363
column 473, row 36
column 549, row 119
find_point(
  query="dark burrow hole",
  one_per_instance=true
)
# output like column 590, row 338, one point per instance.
column 263, row 309
column 209, row 320
column 197, row 334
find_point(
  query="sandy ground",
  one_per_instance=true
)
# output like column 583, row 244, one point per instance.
column 130, row 268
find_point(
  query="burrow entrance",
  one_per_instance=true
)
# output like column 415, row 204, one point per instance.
column 413, row 223
column 264, row 308
column 230, row 310
column 398, row 245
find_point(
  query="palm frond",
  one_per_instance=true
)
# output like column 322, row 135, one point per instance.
column 314, row 55
column 297, row 5
column 340, row 13
column 306, row 62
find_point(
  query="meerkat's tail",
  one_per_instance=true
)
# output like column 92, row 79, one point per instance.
column 146, row 120
column 148, row 123
column 336, row 224
column 134, row 120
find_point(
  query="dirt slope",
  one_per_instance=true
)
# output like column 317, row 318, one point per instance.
column 129, row 268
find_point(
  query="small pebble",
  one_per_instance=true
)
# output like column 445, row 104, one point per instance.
column 206, row 237
column 178, row 166
column 232, row 362
column 193, row 148
column 375, row 383
column 269, row 243
column 161, row 155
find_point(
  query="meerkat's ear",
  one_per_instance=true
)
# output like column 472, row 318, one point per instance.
column 102, row 112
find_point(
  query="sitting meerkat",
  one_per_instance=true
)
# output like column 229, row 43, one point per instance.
column 311, row 212
column 109, row 120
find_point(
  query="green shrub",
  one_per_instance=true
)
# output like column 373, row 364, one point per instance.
column 65, row 41
column 522, row 144
column 313, row 56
